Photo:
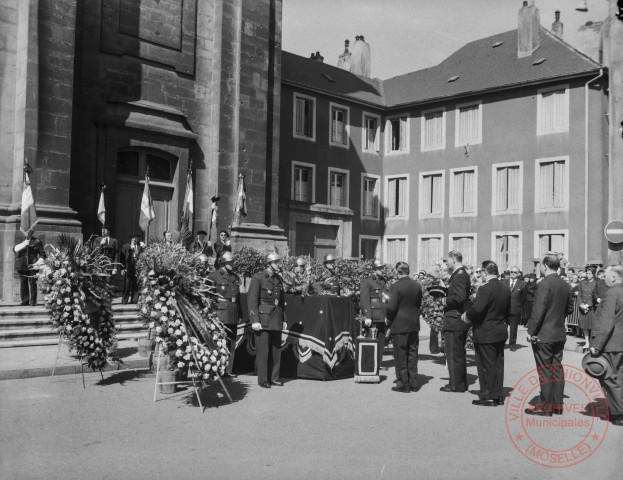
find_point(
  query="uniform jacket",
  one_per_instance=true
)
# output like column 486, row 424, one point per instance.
column 608, row 326
column 111, row 249
column 516, row 295
column 202, row 247
column 403, row 308
column 586, row 292
column 489, row 312
column 129, row 257
column 29, row 255
column 371, row 298
column 458, row 296
column 552, row 304
column 265, row 300
column 227, row 294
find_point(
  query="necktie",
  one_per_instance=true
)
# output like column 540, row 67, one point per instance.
column 512, row 284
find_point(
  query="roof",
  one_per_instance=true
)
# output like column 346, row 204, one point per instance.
column 474, row 68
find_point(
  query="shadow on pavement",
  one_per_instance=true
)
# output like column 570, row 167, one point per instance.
column 121, row 377
column 213, row 395
column 597, row 409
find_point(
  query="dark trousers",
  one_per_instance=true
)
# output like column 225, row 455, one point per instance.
column 131, row 287
column 548, row 358
column 28, row 287
column 490, row 365
column 513, row 323
column 268, row 355
column 231, row 330
column 613, row 385
column 455, row 356
column 406, row 356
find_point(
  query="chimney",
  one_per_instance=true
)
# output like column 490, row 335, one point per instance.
column 343, row 60
column 316, row 56
column 360, row 58
column 557, row 26
column 528, row 32
column 589, row 40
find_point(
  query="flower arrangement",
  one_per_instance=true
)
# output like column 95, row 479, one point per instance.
column 298, row 275
column 78, row 299
column 175, row 302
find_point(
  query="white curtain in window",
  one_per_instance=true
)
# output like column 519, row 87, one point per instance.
column 337, row 126
column 403, row 134
column 402, row 196
column 553, row 111
column 301, row 184
column 370, row 200
column 370, row 133
column 465, row 245
column 430, row 254
column 433, row 129
column 559, row 185
column 546, row 186
column 558, row 242
column 427, row 186
column 469, row 123
column 392, row 190
column 469, row 192
column 337, row 195
column 513, row 250
column 459, row 192
column 501, row 192
column 437, row 198
column 395, row 251
column 513, row 188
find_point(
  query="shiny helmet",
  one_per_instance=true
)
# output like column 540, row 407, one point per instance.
column 272, row 257
column 203, row 258
column 377, row 263
column 328, row 258
column 300, row 261
column 226, row 257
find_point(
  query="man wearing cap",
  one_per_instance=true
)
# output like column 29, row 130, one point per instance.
column 403, row 317
column 265, row 303
column 373, row 302
column 227, row 294
column 607, row 341
column 129, row 258
column 454, row 329
column 201, row 245
column 547, row 333
column 516, row 287
column 27, row 253
column 329, row 283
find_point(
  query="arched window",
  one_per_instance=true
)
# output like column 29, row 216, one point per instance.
column 133, row 162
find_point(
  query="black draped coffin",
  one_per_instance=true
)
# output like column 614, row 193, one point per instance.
column 318, row 341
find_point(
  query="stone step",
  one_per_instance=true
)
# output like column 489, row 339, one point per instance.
column 54, row 340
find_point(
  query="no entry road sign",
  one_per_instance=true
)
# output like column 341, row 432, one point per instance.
column 614, row 231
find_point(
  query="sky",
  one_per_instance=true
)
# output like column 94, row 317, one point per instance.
column 408, row 35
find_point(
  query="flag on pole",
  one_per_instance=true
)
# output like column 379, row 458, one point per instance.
column 29, row 213
column 101, row 209
column 240, row 211
column 147, row 207
column 186, row 226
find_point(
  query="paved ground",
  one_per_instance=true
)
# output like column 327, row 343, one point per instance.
column 53, row 428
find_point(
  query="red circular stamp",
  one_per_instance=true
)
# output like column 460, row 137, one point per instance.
column 562, row 436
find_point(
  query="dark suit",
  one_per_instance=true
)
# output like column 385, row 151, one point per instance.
column 374, row 306
column 328, row 283
column 514, row 316
column 553, row 302
column 129, row 259
column 455, row 329
column 227, row 295
column 527, row 301
column 488, row 314
column 219, row 249
column 608, row 338
column 202, row 247
column 265, row 303
column 27, row 280
column 403, row 315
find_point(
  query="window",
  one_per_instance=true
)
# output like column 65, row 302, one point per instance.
column 338, row 187
column 397, row 139
column 553, row 111
column 468, row 125
column 339, row 125
column 303, row 182
column 396, row 250
column 463, row 192
column 551, row 189
column 550, row 241
column 466, row 244
column 433, row 130
column 371, row 132
column 137, row 161
column 369, row 247
column 370, row 196
column 432, row 194
column 430, row 251
column 507, row 188
column 304, row 117
column 397, row 196
column 506, row 248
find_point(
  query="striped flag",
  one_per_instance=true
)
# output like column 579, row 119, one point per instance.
column 186, row 226
column 147, row 207
column 101, row 209
column 29, row 213
column 240, row 211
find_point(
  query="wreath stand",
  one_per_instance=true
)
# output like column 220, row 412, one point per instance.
column 82, row 364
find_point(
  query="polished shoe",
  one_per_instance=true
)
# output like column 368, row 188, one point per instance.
column 617, row 420
column 24, row 304
column 401, row 389
column 538, row 413
column 484, row 402
column 277, row 383
column 513, row 348
column 124, row 301
column 499, row 401
column 557, row 411
column 446, row 388
column 265, row 385
column 415, row 388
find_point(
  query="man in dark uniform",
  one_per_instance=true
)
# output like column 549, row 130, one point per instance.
column 328, row 283
column 547, row 333
column 454, row 329
column 488, row 315
column 516, row 287
column 28, row 252
column 129, row 258
column 227, row 293
column 109, row 247
column 403, row 317
column 201, row 244
column 266, row 304
column 373, row 302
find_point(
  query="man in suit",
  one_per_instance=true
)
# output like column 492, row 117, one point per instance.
column 488, row 315
column 227, row 294
column 516, row 287
column 403, row 317
column 27, row 253
column 454, row 329
column 373, row 302
column 201, row 244
column 109, row 247
column 129, row 259
column 608, row 341
column 547, row 333
column 265, row 303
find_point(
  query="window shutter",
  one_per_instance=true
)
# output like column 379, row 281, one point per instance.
column 558, row 243
column 559, row 184
column 547, row 185
column 391, row 210
column 403, row 134
column 402, row 196
column 436, row 195
column 469, row 192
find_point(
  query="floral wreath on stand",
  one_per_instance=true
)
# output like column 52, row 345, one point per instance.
column 79, row 299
